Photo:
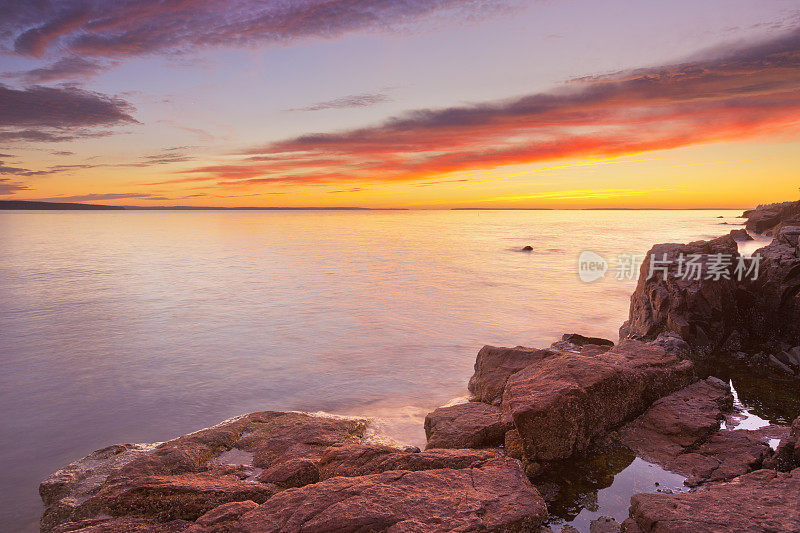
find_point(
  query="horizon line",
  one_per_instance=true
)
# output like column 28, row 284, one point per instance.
column 47, row 204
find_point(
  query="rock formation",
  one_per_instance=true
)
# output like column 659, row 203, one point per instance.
column 276, row 471
column 764, row 500
column 750, row 316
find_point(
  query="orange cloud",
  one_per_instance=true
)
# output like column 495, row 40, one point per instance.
column 745, row 93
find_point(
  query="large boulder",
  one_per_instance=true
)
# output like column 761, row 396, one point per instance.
column 772, row 311
column 465, row 425
column 496, row 496
column 681, row 432
column 770, row 219
column 561, row 404
column 750, row 315
column 678, row 422
column 763, row 500
column 494, row 366
column 703, row 312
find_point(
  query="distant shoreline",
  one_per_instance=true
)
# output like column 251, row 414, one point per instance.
column 33, row 205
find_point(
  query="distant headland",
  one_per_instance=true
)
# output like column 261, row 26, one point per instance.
column 34, row 205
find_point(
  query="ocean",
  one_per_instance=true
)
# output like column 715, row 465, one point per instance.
column 139, row 326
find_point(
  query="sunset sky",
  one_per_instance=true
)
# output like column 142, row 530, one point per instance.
column 389, row 103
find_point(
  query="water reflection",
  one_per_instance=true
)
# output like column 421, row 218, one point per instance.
column 601, row 484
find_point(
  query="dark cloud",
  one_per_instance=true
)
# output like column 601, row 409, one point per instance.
column 61, row 152
column 346, row 102
column 29, row 135
column 19, row 171
column 67, row 68
column 8, row 187
column 60, row 107
column 351, row 189
column 133, row 27
column 723, row 96
column 105, row 196
column 12, row 170
column 53, row 114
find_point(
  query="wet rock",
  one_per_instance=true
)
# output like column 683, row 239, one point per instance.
column 85, row 477
column 763, row 218
column 604, row 524
column 678, row 422
column 787, row 455
column 741, row 235
column 292, row 473
column 165, row 498
column 574, row 342
column 227, row 512
column 496, row 496
column 122, row 525
column 681, row 433
column 360, row 460
column 527, row 248
column 674, row 344
column 724, row 456
column 465, row 425
column 763, row 500
column 779, row 366
column 562, row 403
column 494, row 366
column 181, row 479
column 513, row 444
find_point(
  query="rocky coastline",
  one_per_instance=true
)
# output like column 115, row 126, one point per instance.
column 489, row 462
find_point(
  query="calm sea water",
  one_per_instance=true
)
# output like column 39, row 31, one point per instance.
column 141, row 326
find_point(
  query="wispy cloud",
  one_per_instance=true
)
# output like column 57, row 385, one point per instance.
column 67, row 68
column 134, row 27
column 740, row 94
column 578, row 194
column 347, row 102
column 93, row 197
column 8, row 187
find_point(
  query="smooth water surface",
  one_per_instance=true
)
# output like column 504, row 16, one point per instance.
column 140, row 326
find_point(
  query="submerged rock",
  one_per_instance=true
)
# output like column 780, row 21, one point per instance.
column 604, row 524
column 763, row 500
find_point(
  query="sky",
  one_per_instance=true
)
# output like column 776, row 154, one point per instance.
column 401, row 103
